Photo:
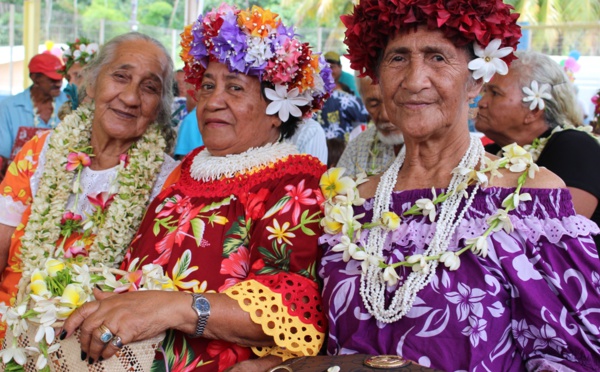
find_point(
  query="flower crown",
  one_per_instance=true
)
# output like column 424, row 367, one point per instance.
column 483, row 23
column 81, row 51
column 256, row 43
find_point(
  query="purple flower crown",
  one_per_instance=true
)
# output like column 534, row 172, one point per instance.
column 255, row 42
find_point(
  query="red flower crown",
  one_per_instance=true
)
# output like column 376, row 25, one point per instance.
column 373, row 22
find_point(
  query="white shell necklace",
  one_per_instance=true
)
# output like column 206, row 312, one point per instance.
column 372, row 284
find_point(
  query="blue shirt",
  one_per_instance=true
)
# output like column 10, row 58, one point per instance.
column 17, row 111
column 189, row 136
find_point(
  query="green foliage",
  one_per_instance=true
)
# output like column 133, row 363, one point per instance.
column 110, row 10
column 155, row 14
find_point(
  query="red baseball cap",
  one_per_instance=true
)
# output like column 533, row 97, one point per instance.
column 47, row 64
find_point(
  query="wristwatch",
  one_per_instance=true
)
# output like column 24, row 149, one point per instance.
column 202, row 307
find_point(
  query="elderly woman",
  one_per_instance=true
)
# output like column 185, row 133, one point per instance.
column 237, row 233
column 456, row 260
column 69, row 187
column 535, row 106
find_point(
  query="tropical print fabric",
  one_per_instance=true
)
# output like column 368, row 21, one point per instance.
column 532, row 304
column 254, row 232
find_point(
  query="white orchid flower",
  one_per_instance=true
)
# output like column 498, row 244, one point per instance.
column 419, row 263
column 512, row 201
column 285, row 103
column 489, row 61
column 451, row 260
column 92, row 48
column 480, row 245
column 346, row 246
column 503, row 219
column 427, row 208
column 536, row 95
column 390, row 276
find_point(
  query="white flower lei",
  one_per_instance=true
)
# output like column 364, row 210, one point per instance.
column 342, row 194
column 538, row 145
column 123, row 215
column 36, row 117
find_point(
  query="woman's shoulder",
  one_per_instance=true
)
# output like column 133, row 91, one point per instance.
column 543, row 179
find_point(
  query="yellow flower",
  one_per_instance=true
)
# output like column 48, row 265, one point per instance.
column 279, row 232
column 219, row 220
column 73, row 297
column 38, row 284
column 332, row 183
column 54, row 266
column 181, row 271
column 390, row 220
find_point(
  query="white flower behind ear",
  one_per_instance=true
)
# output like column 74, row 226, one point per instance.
column 285, row 103
column 537, row 95
column 489, row 61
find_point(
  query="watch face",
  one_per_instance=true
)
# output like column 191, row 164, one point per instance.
column 202, row 305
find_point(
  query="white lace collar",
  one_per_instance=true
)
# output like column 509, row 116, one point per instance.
column 206, row 167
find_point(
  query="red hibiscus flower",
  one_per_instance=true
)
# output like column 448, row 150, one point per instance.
column 298, row 197
column 167, row 206
column 227, row 353
column 255, row 204
column 165, row 246
column 236, row 265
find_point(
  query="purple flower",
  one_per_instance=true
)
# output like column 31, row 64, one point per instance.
column 326, row 75
column 230, row 44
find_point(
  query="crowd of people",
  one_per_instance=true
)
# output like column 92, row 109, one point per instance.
column 301, row 210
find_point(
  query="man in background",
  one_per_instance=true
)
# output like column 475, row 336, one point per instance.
column 374, row 150
column 37, row 106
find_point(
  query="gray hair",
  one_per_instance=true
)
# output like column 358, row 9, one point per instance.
column 105, row 57
column 562, row 109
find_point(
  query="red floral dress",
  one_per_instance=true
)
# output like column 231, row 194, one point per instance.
column 253, row 233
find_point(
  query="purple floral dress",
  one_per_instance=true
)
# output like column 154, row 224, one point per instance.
column 532, row 304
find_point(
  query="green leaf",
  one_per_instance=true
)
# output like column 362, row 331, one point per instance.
column 186, row 259
column 216, row 205
column 277, row 207
column 198, row 230
column 156, row 228
column 307, row 231
column 231, row 245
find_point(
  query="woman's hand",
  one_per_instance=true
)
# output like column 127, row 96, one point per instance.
column 132, row 316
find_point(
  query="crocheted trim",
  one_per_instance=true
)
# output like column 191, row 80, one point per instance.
column 266, row 308
column 277, row 351
column 206, row 167
column 11, row 211
column 553, row 229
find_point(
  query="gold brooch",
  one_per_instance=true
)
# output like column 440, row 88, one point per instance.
column 386, row 361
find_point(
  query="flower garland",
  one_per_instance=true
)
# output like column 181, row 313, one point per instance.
column 36, row 116
column 538, row 144
column 342, row 194
column 81, row 51
column 256, row 43
column 483, row 23
column 123, row 216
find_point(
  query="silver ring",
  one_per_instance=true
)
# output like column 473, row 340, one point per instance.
column 117, row 342
column 106, row 335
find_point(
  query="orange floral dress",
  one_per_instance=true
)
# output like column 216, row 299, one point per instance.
column 16, row 196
